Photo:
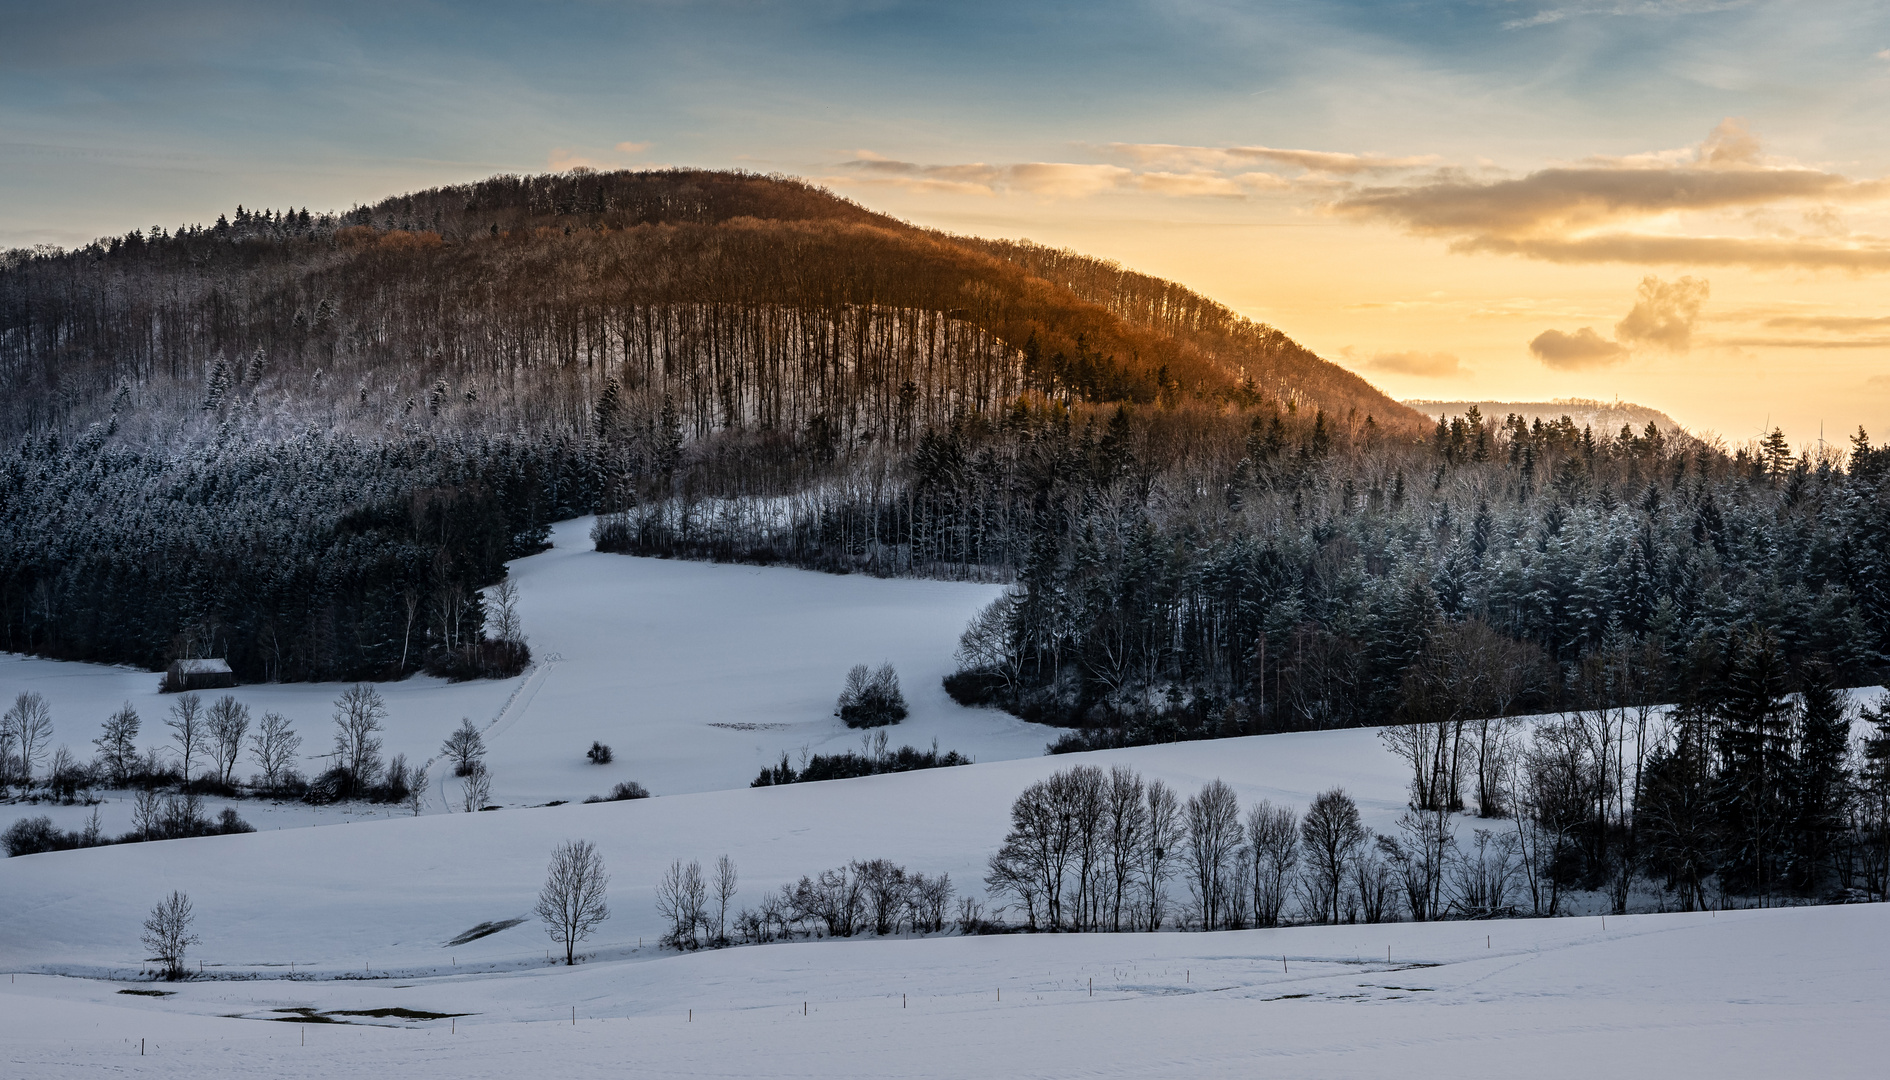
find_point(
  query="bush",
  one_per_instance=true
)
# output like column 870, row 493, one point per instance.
column 485, row 660
column 30, row 836
column 850, row 764
column 228, row 823
column 629, row 789
column 871, row 699
column 975, row 687
column 598, row 753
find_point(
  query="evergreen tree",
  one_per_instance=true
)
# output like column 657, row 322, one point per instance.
column 1819, row 782
column 1757, row 765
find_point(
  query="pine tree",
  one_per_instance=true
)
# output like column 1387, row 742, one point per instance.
column 1756, row 766
column 1820, row 781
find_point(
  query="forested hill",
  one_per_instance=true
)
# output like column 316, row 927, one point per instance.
column 753, row 303
column 305, row 441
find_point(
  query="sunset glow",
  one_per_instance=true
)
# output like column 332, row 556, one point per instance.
column 1456, row 200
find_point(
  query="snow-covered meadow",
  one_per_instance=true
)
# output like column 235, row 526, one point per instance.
column 1784, row 992
column 359, row 918
column 696, row 675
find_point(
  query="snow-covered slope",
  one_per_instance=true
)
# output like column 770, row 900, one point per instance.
column 382, row 896
column 695, row 674
column 1794, row 992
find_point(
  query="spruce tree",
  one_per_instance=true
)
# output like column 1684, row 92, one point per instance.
column 1756, row 766
column 1819, row 779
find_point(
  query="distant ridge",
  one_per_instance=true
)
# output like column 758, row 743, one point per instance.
column 1606, row 416
column 752, row 303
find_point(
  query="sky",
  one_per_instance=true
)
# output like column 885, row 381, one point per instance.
column 1679, row 203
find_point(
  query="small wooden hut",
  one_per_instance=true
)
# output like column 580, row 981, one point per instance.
column 205, row 674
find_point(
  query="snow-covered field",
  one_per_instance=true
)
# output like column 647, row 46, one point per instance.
column 695, row 674
column 698, row 675
column 381, row 896
column 1780, row 993
column 363, row 913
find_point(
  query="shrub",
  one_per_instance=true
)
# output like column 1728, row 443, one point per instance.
column 30, row 836
column 847, row 765
column 871, row 698
column 228, row 822
column 485, row 660
column 598, row 753
column 629, row 789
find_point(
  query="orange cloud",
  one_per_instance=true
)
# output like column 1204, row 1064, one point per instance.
column 1572, row 352
column 1425, row 364
column 1052, row 179
column 1323, row 161
column 1664, row 314
column 1586, row 213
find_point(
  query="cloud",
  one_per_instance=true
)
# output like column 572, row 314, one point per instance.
column 1433, row 365
column 1645, row 250
column 1803, row 343
column 1836, row 323
column 1595, row 212
column 1554, row 200
column 1168, row 169
column 561, row 159
column 1654, row 8
column 1664, row 314
column 1051, row 179
column 1572, row 352
column 1319, row 161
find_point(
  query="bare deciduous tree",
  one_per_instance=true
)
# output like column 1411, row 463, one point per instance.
column 167, row 933
column 1125, row 833
column 572, row 901
column 29, row 725
column 504, row 619
column 274, row 747
column 416, row 799
column 464, row 747
column 1273, row 853
column 187, row 728
column 475, row 788
column 1331, row 837
column 1213, row 839
column 227, row 723
column 724, row 887
column 1158, row 855
column 358, row 715
column 118, row 744
column 681, row 897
